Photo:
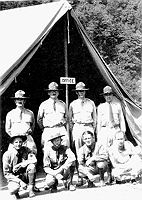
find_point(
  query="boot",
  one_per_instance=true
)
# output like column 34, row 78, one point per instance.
column 15, row 196
column 54, row 186
column 79, row 182
column 90, row 184
column 31, row 192
column 101, row 172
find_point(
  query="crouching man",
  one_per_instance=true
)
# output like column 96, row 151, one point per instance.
column 126, row 159
column 59, row 163
column 19, row 167
column 93, row 160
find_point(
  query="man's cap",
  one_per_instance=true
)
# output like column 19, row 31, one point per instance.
column 107, row 90
column 20, row 94
column 55, row 134
column 80, row 87
column 53, row 86
column 23, row 137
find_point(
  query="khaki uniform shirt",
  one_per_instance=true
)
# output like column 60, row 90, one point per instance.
column 55, row 158
column 103, row 116
column 51, row 117
column 19, row 122
column 83, row 112
column 97, row 151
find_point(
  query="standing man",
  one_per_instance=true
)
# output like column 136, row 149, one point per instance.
column 52, row 113
column 19, row 167
column 110, row 118
column 82, row 117
column 59, row 163
column 21, row 120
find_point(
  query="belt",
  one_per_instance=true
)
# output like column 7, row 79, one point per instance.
column 114, row 126
column 85, row 124
column 56, row 125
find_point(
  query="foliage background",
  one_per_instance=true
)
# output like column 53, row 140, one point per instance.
column 115, row 27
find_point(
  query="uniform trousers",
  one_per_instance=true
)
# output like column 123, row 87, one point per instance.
column 65, row 174
column 133, row 168
column 87, row 171
column 26, row 175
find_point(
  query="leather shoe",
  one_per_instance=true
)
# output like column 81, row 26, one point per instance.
column 54, row 189
column 79, row 182
column 31, row 193
column 35, row 189
column 90, row 184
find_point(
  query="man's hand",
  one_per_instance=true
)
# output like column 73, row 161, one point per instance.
column 16, row 168
column 59, row 176
column 88, row 162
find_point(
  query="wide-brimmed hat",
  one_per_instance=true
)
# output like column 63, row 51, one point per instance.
column 20, row 94
column 80, row 87
column 53, row 86
column 107, row 90
column 23, row 137
column 55, row 134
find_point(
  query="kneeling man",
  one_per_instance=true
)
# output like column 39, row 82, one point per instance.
column 19, row 167
column 59, row 163
column 93, row 160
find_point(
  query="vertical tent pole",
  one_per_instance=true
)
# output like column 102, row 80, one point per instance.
column 66, row 41
column 66, row 55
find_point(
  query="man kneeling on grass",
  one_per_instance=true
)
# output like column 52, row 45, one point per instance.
column 93, row 160
column 59, row 163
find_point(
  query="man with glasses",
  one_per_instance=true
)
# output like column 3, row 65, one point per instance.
column 110, row 118
column 82, row 117
column 52, row 114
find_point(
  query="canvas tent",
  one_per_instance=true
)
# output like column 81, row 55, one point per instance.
column 33, row 52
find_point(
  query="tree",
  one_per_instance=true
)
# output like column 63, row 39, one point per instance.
column 115, row 28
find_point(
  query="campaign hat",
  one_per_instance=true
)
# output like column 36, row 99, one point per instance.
column 20, row 94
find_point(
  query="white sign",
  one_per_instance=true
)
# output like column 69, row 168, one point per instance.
column 67, row 80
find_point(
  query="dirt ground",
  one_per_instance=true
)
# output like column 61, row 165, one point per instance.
column 122, row 192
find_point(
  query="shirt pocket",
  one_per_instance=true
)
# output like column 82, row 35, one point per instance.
column 88, row 108
column 48, row 111
column 60, row 109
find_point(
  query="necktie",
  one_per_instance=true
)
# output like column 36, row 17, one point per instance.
column 20, row 115
column 82, row 102
column 111, row 119
column 54, row 105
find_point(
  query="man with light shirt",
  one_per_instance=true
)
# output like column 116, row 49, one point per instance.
column 82, row 117
column 21, row 120
column 110, row 118
column 52, row 113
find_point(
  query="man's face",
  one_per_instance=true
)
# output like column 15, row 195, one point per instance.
column 88, row 139
column 57, row 142
column 17, row 142
column 20, row 102
column 81, row 94
column 53, row 94
column 120, row 140
column 108, row 97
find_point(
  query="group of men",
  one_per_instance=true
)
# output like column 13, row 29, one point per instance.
column 97, row 143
